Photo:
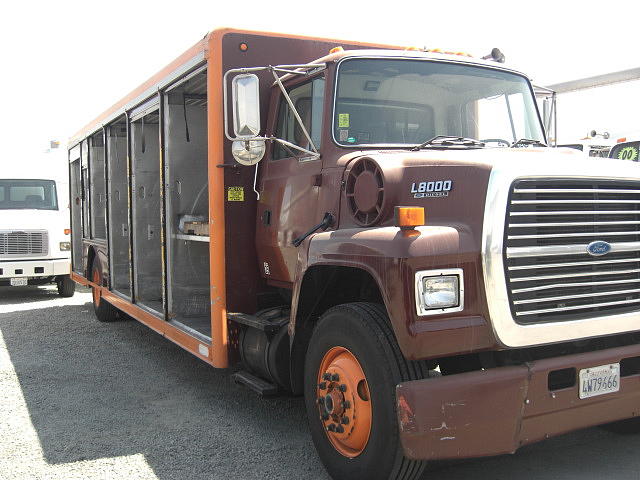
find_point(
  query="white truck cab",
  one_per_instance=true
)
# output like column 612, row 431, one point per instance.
column 34, row 224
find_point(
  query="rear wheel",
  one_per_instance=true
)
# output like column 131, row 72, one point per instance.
column 66, row 286
column 352, row 367
column 105, row 312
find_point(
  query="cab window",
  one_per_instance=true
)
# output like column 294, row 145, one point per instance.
column 308, row 99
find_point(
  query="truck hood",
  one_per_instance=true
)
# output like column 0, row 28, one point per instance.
column 452, row 184
column 28, row 219
column 484, row 156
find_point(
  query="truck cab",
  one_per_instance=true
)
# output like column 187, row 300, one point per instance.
column 422, row 182
column 34, row 226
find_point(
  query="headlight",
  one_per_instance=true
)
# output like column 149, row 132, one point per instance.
column 64, row 246
column 439, row 291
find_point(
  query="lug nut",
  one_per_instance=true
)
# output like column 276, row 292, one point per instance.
column 340, row 429
column 346, row 404
column 335, row 377
column 326, row 376
column 342, row 387
column 344, row 420
column 322, row 385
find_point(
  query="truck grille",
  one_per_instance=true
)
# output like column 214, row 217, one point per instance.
column 550, row 274
column 24, row 243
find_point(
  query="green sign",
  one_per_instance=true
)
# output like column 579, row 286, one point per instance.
column 628, row 153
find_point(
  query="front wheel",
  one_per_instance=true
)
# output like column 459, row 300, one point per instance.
column 66, row 286
column 352, row 367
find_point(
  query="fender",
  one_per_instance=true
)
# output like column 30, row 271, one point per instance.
column 392, row 256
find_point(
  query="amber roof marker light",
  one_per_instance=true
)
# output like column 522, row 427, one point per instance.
column 243, row 47
column 407, row 218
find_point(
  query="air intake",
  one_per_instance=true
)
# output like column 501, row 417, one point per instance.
column 365, row 192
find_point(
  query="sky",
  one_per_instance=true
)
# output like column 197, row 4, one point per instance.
column 65, row 62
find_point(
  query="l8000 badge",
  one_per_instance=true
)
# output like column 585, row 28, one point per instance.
column 438, row 188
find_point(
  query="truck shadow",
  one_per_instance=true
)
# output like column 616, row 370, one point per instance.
column 109, row 390
column 28, row 294
column 587, row 454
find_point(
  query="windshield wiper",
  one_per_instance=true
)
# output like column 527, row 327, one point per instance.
column 523, row 142
column 449, row 141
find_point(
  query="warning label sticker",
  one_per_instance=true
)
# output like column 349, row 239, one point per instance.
column 343, row 120
column 235, row 194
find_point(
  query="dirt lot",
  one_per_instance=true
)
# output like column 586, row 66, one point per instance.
column 85, row 400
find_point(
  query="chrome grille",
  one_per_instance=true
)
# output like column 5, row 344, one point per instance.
column 24, row 243
column 550, row 275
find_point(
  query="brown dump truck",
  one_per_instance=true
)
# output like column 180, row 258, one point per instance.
column 381, row 230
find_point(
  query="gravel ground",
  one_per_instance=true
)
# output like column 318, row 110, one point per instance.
column 85, row 400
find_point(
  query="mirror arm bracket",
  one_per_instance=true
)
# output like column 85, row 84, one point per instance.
column 295, row 112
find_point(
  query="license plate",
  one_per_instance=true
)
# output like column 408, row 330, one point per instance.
column 18, row 282
column 599, row 380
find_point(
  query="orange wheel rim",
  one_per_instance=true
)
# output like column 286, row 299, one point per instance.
column 96, row 291
column 344, row 403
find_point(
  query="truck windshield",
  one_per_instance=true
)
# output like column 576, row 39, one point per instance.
column 28, row 194
column 398, row 101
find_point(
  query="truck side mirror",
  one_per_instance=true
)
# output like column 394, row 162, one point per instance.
column 246, row 106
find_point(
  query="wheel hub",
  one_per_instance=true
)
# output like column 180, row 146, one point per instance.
column 343, row 402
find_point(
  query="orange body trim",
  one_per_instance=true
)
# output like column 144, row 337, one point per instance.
column 217, row 266
column 79, row 279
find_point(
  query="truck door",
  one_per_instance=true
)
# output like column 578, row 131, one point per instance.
column 76, row 208
column 84, row 151
column 146, row 205
column 288, row 193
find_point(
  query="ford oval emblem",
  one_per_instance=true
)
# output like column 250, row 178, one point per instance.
column 598, row 248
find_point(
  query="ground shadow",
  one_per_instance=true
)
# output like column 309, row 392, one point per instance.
column 30, row 294
column 97, row 390
column 105, row 390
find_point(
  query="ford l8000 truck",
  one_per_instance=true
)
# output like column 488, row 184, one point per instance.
column 381, row 230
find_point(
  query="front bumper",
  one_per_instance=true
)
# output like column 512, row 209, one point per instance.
column 35, row 268
column 498, row 410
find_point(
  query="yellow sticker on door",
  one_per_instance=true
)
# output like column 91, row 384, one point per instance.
column 343, row 120
column 235, row 194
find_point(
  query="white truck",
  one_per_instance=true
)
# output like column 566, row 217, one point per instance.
column 35, row 246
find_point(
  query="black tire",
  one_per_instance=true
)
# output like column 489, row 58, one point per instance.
column 364, row 330
column 105, row 312
column 66, row 286
column 623, row 427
